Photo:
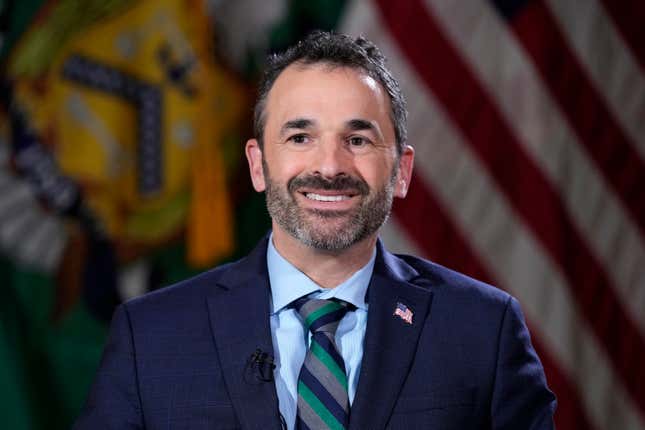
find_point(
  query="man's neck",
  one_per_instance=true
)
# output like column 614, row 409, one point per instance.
column 326, row 268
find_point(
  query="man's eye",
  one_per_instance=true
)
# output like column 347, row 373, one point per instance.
column 299, row 138
column 358, row 141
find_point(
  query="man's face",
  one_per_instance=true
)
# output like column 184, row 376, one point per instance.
column 329, row 164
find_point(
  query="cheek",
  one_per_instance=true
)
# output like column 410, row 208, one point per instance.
column 280, row 171
column 286, row 162
column 377, row 173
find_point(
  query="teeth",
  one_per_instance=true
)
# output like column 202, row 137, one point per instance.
column 320, row 198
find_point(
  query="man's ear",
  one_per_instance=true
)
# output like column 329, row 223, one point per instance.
column 254, row 157
column 406, row 163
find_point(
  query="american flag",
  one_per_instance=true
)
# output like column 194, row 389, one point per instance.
column 403, row 312
column 528, row 120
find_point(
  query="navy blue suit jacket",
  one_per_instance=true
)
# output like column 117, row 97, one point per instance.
column 178, row 358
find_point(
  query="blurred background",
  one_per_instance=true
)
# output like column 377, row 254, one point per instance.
column 122, row 125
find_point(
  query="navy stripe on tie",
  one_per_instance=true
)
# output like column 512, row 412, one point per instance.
column 326, row 344
column 298, row 303
column 300, row 424
column 323, row 395
column 328, row 318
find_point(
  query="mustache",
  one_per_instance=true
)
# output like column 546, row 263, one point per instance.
column 338, row 183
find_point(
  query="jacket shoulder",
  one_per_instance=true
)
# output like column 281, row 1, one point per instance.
column 447, row 281
column 182, row 293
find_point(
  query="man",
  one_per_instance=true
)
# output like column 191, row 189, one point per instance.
column 321, row 327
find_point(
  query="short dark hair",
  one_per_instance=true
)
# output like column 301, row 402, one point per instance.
column 334, row 50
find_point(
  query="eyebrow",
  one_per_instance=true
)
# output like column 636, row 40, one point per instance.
column 296, row 124
column 360, row 124
column 356, row 124
column 363, row 124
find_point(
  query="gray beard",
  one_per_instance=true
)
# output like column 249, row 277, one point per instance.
column 329, row 230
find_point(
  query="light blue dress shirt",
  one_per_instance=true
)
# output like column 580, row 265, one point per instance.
column 289, row 338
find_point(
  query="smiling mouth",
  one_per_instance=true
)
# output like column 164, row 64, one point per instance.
column 327, row 198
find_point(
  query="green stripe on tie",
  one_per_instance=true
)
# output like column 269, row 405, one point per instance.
column 329, row 363
column 328, row 308
column 318, row 407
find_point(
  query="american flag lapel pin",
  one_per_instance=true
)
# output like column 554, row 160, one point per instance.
column 403, row 312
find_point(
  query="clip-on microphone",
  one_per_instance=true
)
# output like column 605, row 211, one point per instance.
column 261, row 365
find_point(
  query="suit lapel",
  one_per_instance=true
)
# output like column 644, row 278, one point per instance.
column 390, row 341
column 239, row 314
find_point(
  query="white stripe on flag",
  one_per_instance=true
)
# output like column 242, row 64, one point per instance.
column 44, row 247
column 396, row 239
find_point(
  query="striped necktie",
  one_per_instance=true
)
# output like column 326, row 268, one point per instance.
column 322, row 384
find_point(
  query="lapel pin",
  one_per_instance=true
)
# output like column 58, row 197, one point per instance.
column 403, row 312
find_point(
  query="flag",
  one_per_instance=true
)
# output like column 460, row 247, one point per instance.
column 528, row 121
column 403, row 312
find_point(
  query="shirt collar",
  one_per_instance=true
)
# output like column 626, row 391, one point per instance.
column 288, row 283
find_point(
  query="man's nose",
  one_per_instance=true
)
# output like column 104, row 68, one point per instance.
column 332, row 159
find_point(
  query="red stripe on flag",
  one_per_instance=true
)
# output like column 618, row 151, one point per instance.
column 629, row 18
column 448, row 77
column 434, row 232
column 595, row 125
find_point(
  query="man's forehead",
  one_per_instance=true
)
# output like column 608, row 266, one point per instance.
column 302, row 71
column 300, row 83
column 326, row 66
